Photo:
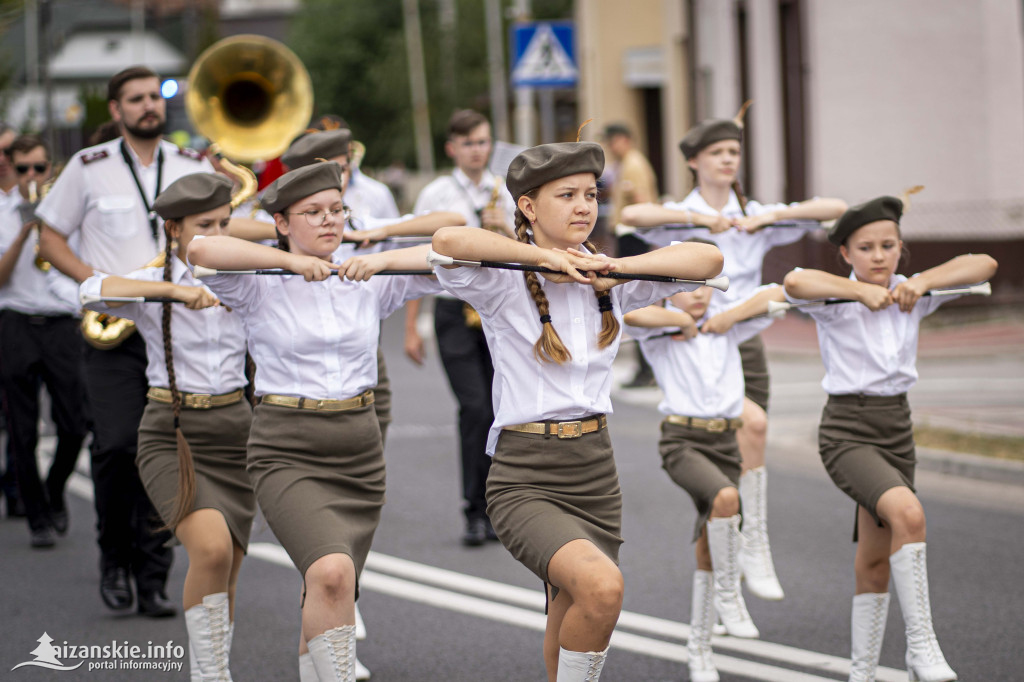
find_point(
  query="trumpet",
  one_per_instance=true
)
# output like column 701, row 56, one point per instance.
column 34, row 197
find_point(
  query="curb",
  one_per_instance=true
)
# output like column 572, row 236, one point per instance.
column 971, row 466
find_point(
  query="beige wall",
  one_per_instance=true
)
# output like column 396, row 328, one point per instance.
column 933, row 95
column 606, row 28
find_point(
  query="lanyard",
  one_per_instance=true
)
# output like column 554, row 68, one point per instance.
column 142, row 193
column 472, row 203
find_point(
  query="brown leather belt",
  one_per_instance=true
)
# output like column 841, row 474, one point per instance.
column 325, row 405
column 573, row 429
column 196, row 401
column 717, row 425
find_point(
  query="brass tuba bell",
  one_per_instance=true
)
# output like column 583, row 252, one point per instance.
column 251, row 95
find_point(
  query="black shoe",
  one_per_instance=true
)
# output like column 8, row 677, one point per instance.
column 15, row 507
column 155, row 605
column 42, row 538
column 115, row 588
column 476, row 533
column 59, row 519
column 489, row 531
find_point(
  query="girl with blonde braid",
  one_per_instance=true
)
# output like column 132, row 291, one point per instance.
column 552, row 491
column 193, row 434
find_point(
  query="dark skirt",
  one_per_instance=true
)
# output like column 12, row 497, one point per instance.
column 217, row 438
column 867, row 446
column 319, row 479
column 544, row 492
column 382, row 396
column 701, row 463
column 755, row 371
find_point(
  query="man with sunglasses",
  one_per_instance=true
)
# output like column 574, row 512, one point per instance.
column 39, row 344
column 103, row 197
column 8, row 192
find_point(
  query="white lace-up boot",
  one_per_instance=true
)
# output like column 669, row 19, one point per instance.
column 724, row 541
column 909, row 568
column 193, row 664
column 756, row 554
column 580, row 666
column 867, row 628
column 334, row 654
column 702, row 619
column 208, row 626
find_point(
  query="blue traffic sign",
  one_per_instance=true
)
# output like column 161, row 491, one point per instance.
column 544, row 55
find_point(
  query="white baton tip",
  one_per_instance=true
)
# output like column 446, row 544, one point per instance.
column 777, row 308
column 985, row 289
column 434, row 259
column 86, row 299
column 200, row 271
column 720, row 283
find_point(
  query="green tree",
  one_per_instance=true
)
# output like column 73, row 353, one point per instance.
column 355, row 54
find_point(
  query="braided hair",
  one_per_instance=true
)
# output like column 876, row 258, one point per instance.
column 186, row 469
column 549, row 347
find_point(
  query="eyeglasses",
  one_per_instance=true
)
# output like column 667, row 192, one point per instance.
column 39, row 168
column 317, row 217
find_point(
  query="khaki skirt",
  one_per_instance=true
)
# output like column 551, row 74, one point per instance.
column 701, row 463
column 543, row 492
column 755, row 371
column 867, row 446
column 217, row 438
column 382, row 395
column 319, row 479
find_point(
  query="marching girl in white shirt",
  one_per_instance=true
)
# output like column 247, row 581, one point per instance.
column 552, row 491
column 866, row 436
column 738, row 226
column 192, row 438
column 315, row 455
column 700, row 371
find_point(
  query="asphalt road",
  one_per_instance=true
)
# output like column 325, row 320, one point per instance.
column 438, row 611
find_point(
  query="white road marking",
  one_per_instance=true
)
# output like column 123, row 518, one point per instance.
column 523, row 607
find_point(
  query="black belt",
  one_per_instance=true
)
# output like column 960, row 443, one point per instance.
column 40, row 320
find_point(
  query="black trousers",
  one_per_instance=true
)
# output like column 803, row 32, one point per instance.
column 467, row 362
column 37, row 350
column 126, row 521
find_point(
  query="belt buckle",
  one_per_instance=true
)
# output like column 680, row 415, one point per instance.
column 201, row 401
column 717, row 425
column 570, row 429
column 319, row 404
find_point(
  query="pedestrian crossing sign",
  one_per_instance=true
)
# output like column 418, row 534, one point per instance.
column 544, row 55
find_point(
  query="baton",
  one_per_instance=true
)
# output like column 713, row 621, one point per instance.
column 200, row 272
column 778, row 309
column 435, row 259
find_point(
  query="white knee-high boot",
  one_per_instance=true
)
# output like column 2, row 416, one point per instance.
column 209, row 626
column 334, row 654
column 702, row 618
column 867, row 628
column 909, row 568
column 724, row 541
column 756, row 555
column 307, row 671
column 580, row 666
column 362, row 672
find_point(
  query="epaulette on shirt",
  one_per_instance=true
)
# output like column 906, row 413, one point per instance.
column 190, row 153
column 95, row 156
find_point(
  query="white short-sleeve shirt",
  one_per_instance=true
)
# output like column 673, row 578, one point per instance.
column 743, row 252
column 525, row 389
column 703, row 376
column 870, row 353
column 315, row 339
column 369, row 198
column 96, row 196
column 28, row 290
column 208, row 344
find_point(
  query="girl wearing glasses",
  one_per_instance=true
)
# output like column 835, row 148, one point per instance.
column 315, row 455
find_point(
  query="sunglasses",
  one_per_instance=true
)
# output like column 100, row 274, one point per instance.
column 22, row 168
